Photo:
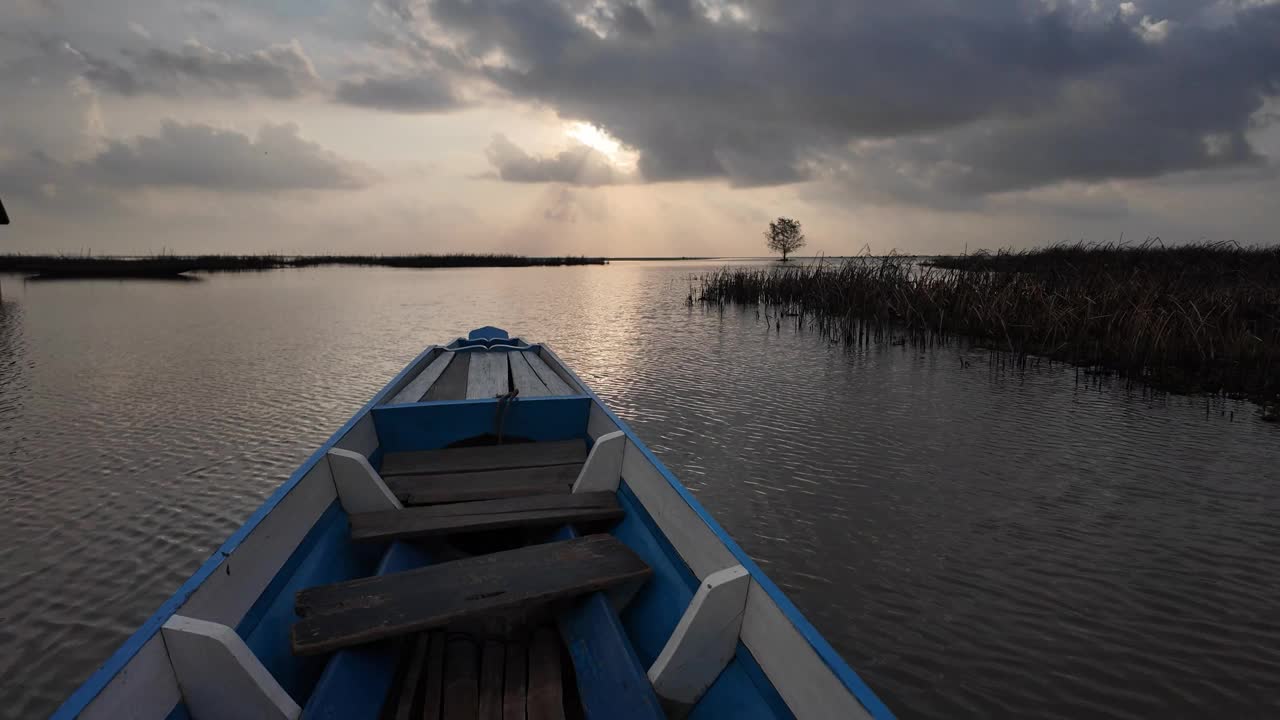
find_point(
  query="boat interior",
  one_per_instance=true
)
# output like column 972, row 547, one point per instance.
column 484, row 540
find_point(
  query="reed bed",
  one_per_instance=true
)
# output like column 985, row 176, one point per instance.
column 1198, row 319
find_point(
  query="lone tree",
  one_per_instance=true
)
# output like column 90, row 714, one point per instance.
column 784, row 236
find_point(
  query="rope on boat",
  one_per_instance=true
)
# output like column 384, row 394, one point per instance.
column 504, row 401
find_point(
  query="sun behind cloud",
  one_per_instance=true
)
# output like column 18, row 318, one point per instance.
column 602, row 142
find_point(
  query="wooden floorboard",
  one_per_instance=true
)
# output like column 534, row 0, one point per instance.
column 452, row 383
column 409, row 705
column 555, row 384
column 433, row 681
column 461, row 679
column 361, row 611
column 545, row 698
column 514, row 681
column 487, row 377
column 487, row 457
column 415, row 390
column 492, row 664
column 483, row 485
column 525, row 379
column 483, row 515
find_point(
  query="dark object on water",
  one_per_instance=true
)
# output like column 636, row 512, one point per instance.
column 4, row 216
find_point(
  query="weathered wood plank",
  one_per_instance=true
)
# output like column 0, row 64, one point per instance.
column 579, row 501
column 600, row 551
column 461, row 679
column 433, row 690
column 488, row 457
column 555, row 385
column 487, row 376
column 369, row 609
column 483, row 485
column 525, row 379
column 417, row 388
column 492, row 660
column 452, row 383
column 410, row 688
column 514, row 686
column 545, row 699
column 528, row 511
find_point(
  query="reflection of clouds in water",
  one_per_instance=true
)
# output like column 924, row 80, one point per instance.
column 902, row 498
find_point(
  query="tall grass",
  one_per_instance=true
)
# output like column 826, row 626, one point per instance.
column 1204, row 318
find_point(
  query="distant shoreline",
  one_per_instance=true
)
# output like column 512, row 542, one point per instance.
column 107, row 266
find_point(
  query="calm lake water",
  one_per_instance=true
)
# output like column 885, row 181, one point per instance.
column 976, row 542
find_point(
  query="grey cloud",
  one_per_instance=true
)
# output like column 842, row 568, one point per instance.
column 425, row 91
column 279, row 71
column 199, row 156
column 580, row 165
column 1004, row 94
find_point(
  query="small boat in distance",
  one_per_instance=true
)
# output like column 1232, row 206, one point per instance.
column 483, row 539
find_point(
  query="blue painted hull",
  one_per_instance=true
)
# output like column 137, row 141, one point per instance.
column 299, row 538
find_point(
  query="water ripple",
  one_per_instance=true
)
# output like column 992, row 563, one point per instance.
column 976, row 542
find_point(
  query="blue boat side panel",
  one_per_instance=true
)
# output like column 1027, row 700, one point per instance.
column 327, row 555
column 433, row 425
column 180, row 712
column 739, row 694
column 612, row 683
column 355, row 683
column 656, row 609
column 85, row 694
column 488, row 332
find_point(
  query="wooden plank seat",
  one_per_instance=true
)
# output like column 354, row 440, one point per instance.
column 458, row 676
column 482, row 515
column 433, row 489
column 369, row 609
column 485, row 457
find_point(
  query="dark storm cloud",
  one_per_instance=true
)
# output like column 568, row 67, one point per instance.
column 971, row 97
column 279, row 71
column 199, row 156
column 423, row 91
column 580, row 165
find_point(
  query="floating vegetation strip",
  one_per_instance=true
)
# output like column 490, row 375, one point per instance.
column 1201, row 318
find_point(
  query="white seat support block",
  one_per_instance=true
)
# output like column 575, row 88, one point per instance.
column 360, row 488
column 704, row 640
column 220, row 677
column 603, row 469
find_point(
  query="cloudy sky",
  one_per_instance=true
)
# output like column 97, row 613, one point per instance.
column 634, row 127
